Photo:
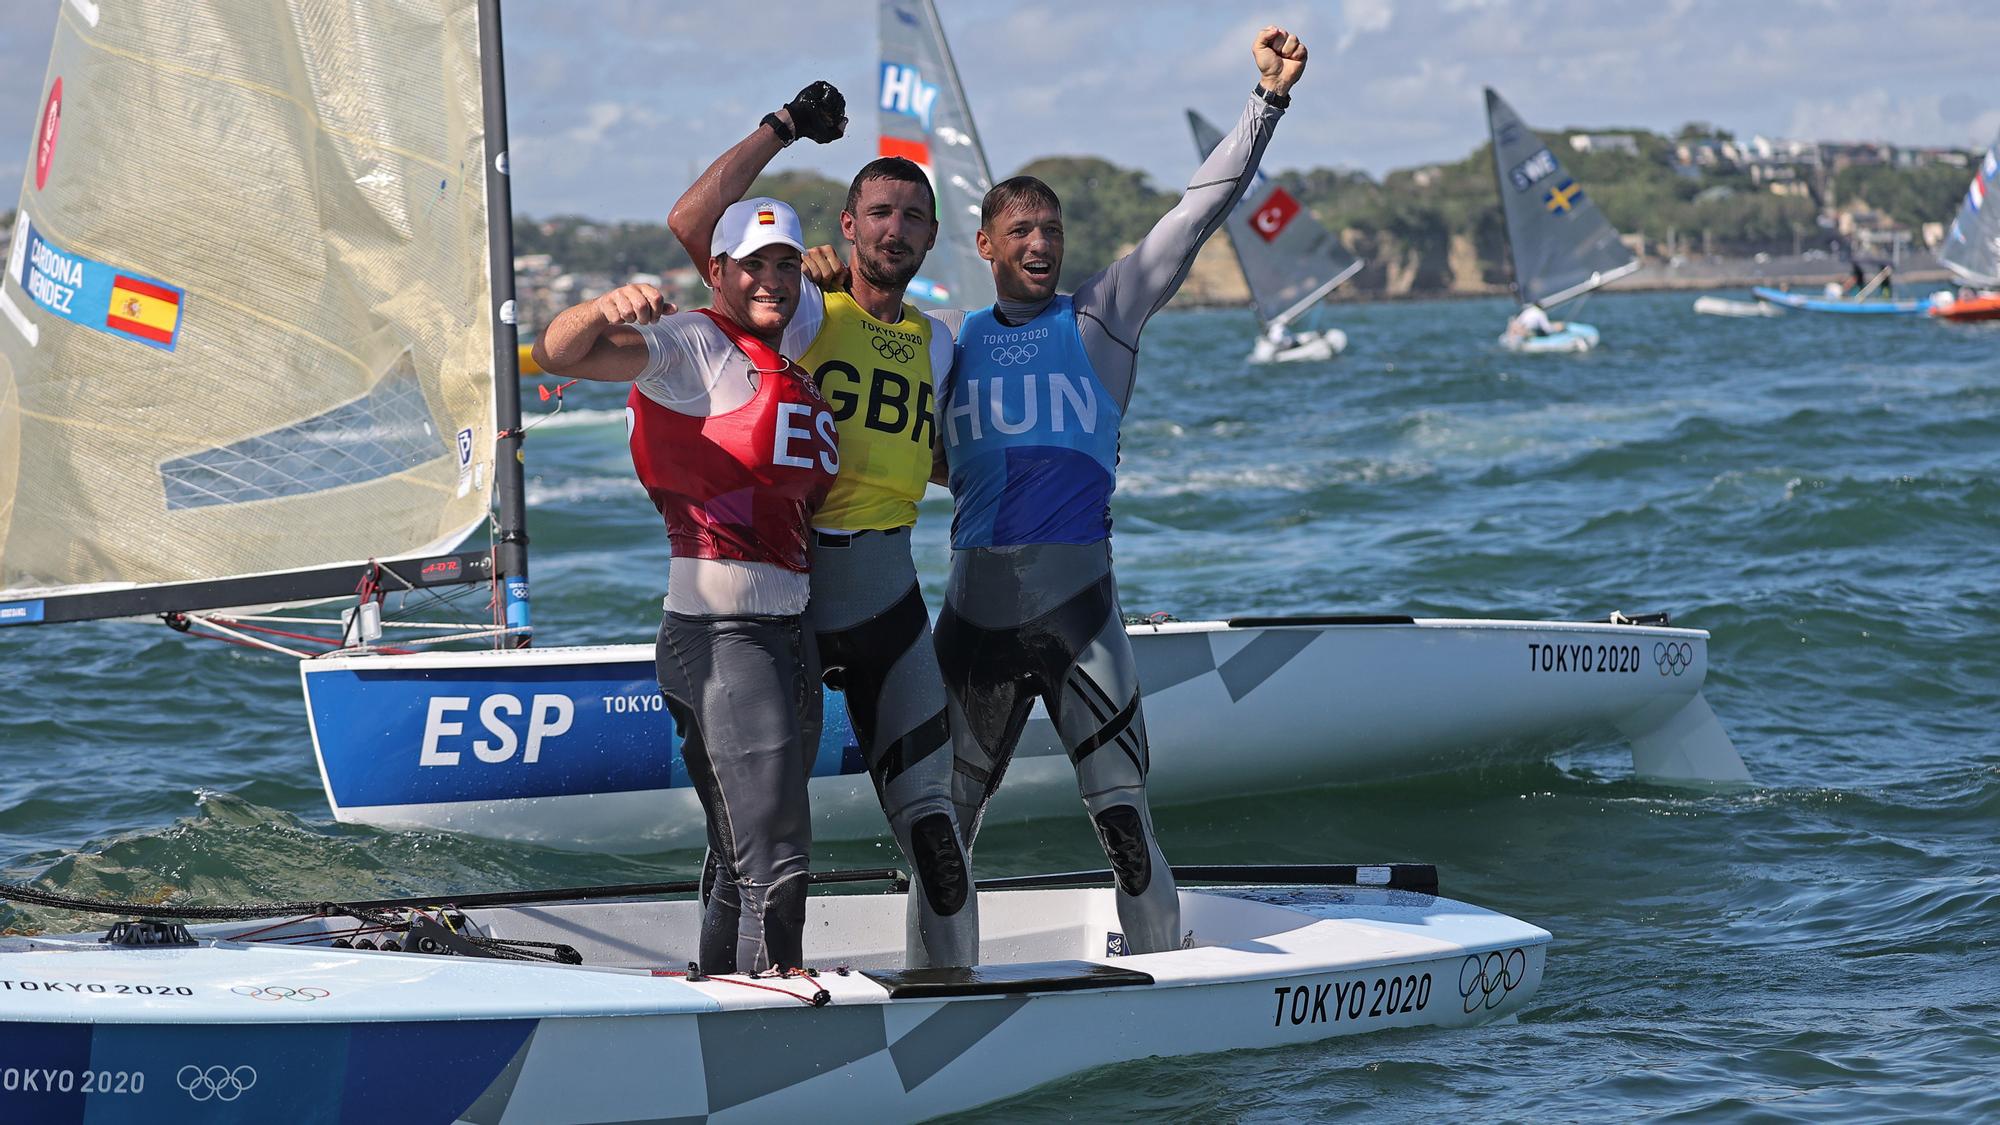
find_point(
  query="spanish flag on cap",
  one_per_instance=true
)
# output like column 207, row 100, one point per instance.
column 766, row 217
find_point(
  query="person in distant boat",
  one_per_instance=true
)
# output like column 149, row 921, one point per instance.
column 1532, row 321
column 1030, row 417
column 1860, row 280
column 1279, row 337
column 877, row 358
column 737, row 450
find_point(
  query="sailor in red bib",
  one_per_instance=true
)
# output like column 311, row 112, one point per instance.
column 736, row 449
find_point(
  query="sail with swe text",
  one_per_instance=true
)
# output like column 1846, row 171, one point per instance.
column 1562, row 246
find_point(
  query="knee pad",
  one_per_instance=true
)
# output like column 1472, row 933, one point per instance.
column 785, row 921
column 1124, row 838
column 940, row 865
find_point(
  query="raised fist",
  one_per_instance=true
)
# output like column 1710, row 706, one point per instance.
column 819, row 113
column 633, row 304
column 1281, row 58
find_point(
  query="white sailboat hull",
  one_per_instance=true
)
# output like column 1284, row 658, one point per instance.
column 1305, row 346
column 1723, row 306
column 250, row 1031
column 573, row 747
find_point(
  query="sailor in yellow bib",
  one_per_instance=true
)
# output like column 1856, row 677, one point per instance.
column 880, row 381
column 877, row 361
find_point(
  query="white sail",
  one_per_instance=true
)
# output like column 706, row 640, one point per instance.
column 924, row 117
column 1972, row 247
column 248, row 324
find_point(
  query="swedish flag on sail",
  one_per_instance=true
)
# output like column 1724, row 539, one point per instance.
column 1564, row 197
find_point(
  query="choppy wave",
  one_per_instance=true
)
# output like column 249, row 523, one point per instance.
column 1817, row 494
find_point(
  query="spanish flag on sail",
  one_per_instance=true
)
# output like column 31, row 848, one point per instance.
column 143, row 309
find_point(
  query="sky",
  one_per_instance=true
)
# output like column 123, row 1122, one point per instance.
column 615, row 105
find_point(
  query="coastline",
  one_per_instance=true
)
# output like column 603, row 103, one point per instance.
column 1652, row 276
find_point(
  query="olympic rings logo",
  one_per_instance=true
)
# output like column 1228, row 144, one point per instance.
column 302, row 995
column 895, row 350
column 1014, row 354
column 224, row 1084
column 1673, row 658
column 1485, row 981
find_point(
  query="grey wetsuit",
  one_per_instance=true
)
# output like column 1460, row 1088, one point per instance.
column 759, row 677
column 874, row 636
column 1028, row 617
column 873, row 629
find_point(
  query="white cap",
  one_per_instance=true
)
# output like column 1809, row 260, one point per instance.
column 752, row 224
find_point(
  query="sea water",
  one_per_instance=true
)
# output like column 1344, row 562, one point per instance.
column 1821, row 493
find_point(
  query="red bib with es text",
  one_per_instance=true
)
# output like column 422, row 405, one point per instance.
column 741, row 485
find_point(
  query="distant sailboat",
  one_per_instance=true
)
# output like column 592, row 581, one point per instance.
column 1289, row 261
column 1972, row 248
column 1560, row 244
column 924, row 118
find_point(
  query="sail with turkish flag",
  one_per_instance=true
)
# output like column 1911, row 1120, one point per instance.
column 1289, row 260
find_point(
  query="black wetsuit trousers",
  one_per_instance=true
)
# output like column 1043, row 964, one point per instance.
column 744, row 692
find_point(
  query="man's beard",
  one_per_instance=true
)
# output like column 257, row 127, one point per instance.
column 882, row 275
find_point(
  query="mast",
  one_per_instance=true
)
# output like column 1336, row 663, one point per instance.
column 510, row 551
column 958, row 91
column 1500, row 197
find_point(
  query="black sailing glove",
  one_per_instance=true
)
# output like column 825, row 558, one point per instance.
column 819, row 113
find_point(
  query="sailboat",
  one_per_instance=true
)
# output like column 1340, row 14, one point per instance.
column 1863, row 302
column 1561, row 246
column 1972, row 247
column 1289, row 261
column 923, row 116
column 220, row 389
column 585, row 1006
column 263, row 351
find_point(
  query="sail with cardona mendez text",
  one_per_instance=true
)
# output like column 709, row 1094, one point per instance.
column 249, row 326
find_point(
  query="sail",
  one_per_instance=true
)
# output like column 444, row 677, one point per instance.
column 245, row 326
column 1289, row 260
column 1561, row 244
column 924, row 117
column 1972, row 247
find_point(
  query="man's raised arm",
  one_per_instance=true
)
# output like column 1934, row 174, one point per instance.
column 819, row 113
column 1134, row 287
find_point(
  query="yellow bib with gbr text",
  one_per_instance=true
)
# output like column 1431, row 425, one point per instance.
column 877, row 377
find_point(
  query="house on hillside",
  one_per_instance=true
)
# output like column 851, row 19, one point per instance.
column 1605, row 142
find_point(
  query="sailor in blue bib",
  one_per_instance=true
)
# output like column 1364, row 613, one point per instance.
column 1030, row 433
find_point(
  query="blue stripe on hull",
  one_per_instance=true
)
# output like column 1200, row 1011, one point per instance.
column 80, row 1074
column 418, row 736
column 1848, row 305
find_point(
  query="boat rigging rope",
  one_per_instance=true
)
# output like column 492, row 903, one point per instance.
column 292, row 912
column 32, row 896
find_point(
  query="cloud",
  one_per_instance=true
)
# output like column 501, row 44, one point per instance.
column 1362, row 16
column 1876, row 114
column 614, row 105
